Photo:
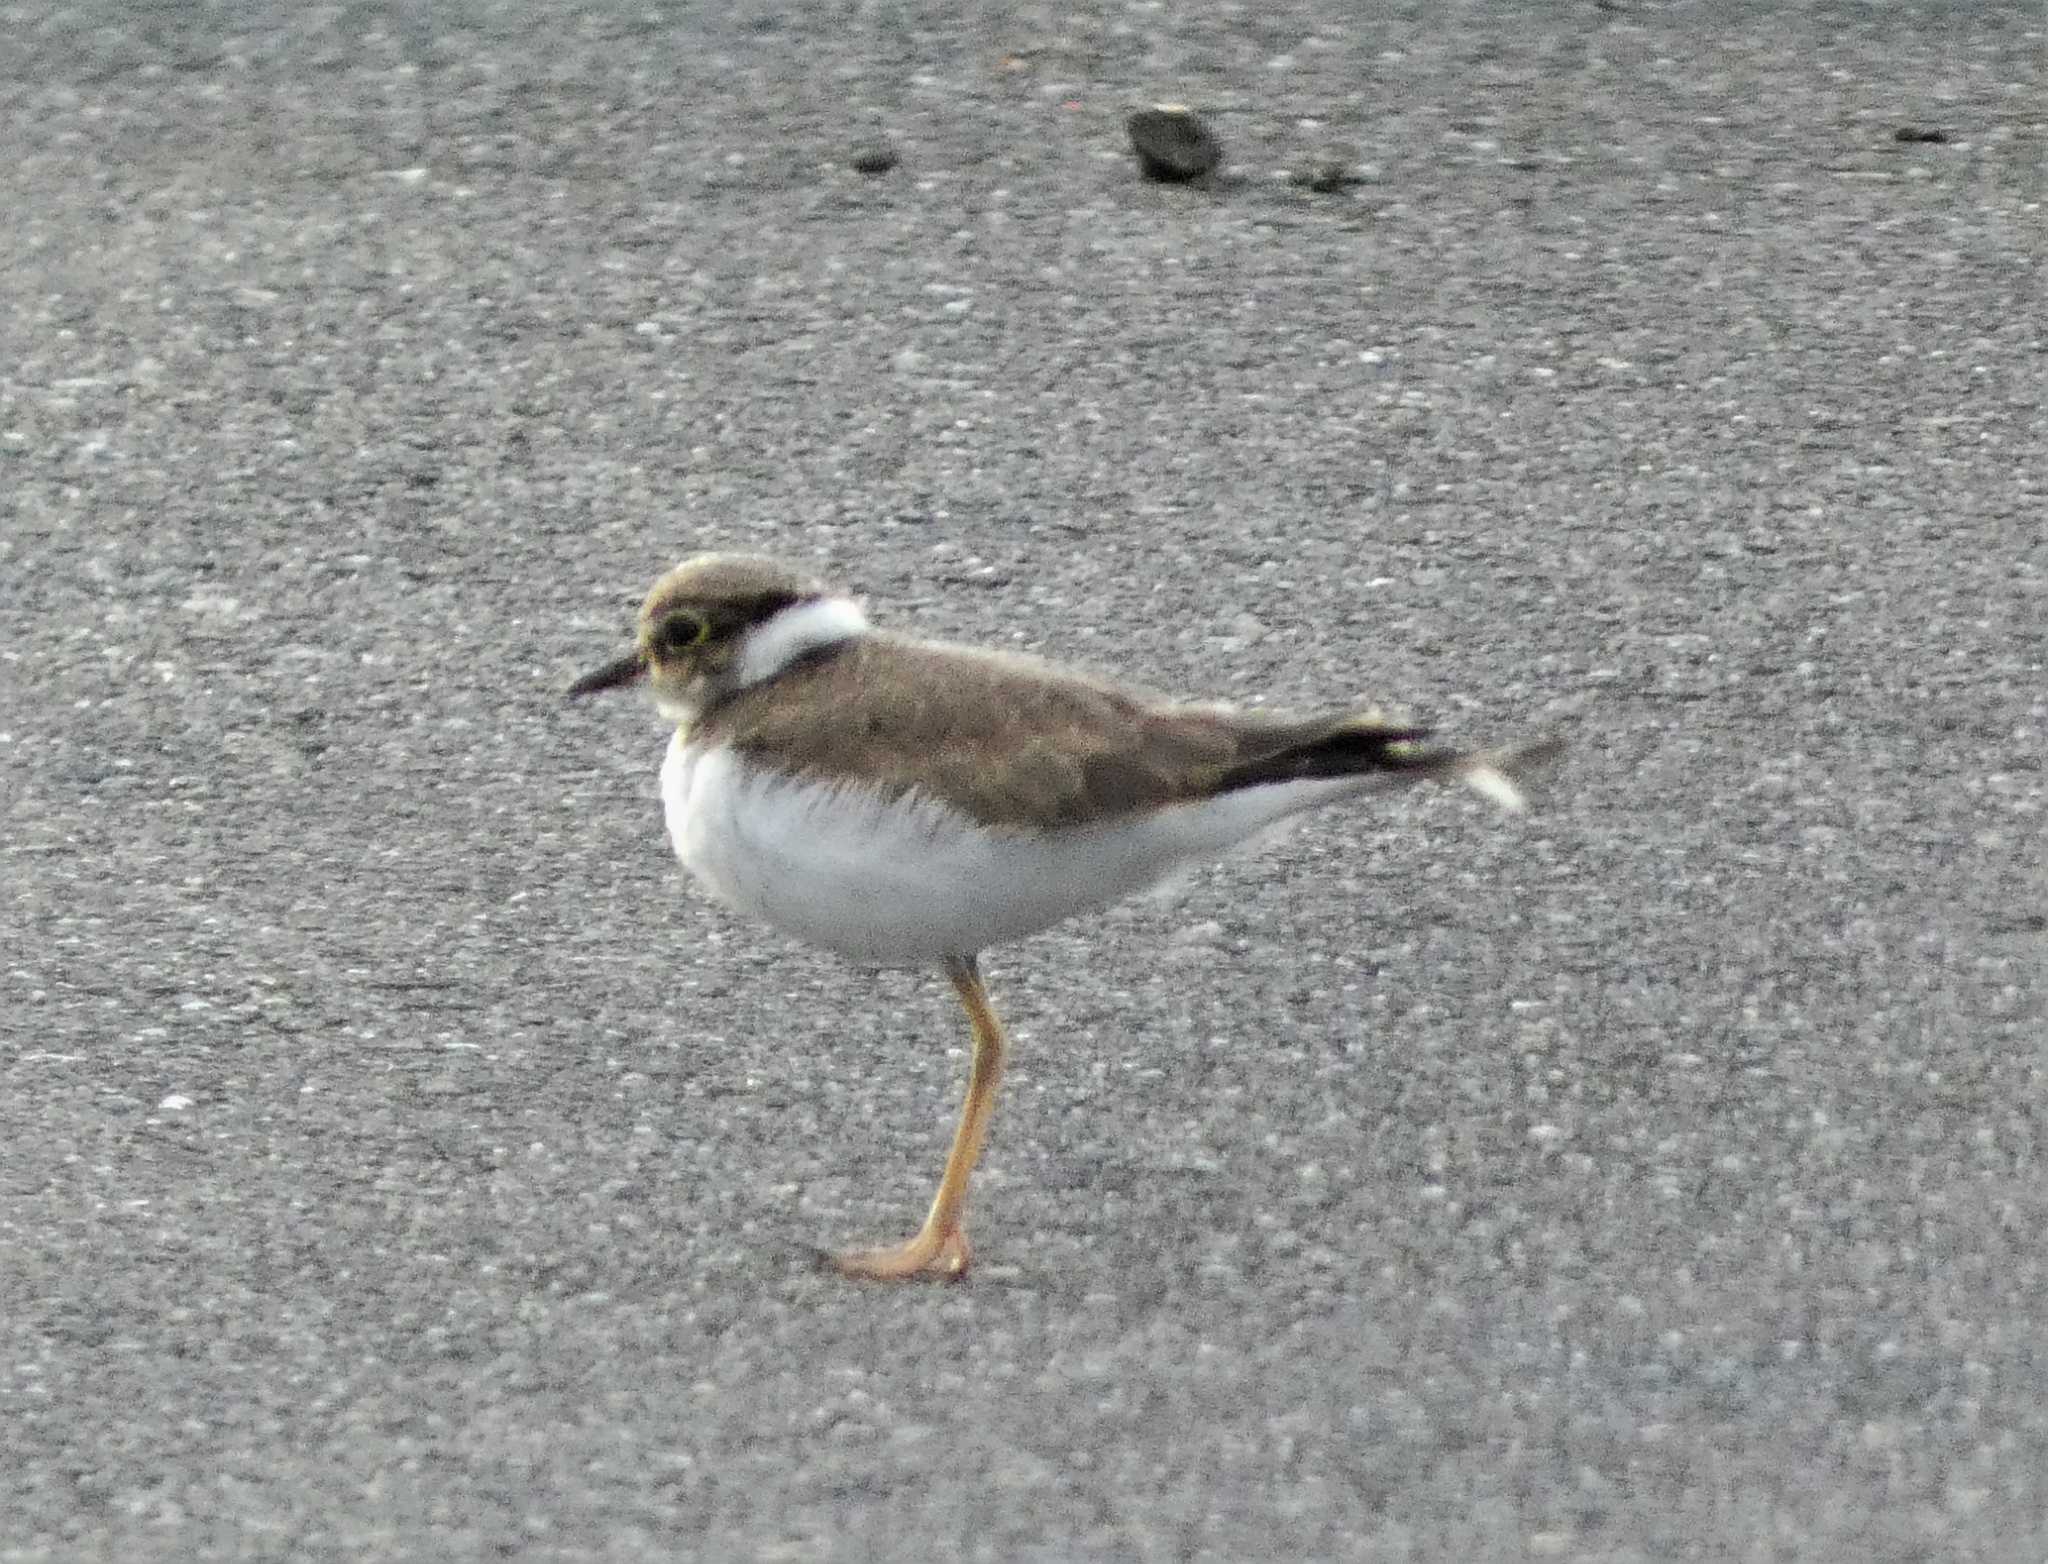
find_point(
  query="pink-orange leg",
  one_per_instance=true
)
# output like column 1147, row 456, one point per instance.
column 940, row 1247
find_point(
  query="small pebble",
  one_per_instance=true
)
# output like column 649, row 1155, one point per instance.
column 1917, row 133
column 877, row 159
column 1327, row 178
column 1172, row 144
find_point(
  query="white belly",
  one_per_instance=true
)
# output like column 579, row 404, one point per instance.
column 907, row 881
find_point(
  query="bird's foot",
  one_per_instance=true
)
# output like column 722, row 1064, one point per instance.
column 933, row 1255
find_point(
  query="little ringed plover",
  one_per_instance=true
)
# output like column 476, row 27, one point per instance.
column 910, row 803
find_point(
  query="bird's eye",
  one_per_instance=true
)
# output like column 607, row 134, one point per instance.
column 682, row 631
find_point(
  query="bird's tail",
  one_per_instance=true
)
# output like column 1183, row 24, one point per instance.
column 1499, row 774
column 1364, row 744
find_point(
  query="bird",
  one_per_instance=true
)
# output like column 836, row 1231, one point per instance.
column 911, row 803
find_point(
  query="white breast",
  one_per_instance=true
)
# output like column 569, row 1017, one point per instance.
column 907, row 881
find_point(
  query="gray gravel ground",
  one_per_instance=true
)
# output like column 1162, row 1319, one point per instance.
column 401, row 1161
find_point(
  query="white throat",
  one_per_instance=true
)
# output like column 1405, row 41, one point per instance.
column 779, row 640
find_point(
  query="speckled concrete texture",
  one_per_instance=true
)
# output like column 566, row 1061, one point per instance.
column 399, row 1160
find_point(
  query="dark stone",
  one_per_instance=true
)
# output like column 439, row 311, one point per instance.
column 1172, row 144
column 1327, row 177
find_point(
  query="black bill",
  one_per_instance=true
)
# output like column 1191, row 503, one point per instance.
column 610, row 676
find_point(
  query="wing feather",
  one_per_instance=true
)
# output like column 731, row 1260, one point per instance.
column 1017, row 743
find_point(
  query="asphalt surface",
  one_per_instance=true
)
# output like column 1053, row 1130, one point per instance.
column 399, row 1160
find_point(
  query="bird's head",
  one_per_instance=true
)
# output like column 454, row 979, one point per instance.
column 720, row 622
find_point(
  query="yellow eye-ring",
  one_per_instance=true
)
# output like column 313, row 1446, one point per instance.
column 682, row 631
